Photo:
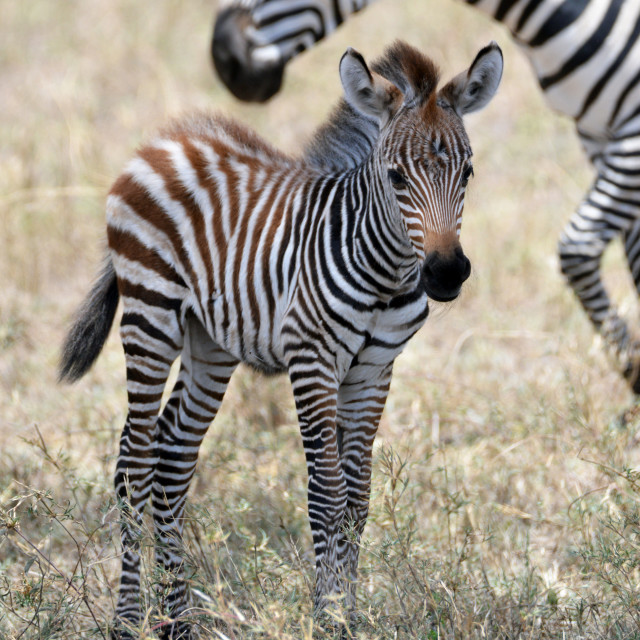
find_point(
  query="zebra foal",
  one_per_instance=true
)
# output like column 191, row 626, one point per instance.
column 224, row 250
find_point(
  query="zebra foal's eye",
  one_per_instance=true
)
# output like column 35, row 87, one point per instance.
column 466, row 175
column 397, row 178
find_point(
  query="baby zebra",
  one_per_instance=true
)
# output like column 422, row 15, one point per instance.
column 224, row 250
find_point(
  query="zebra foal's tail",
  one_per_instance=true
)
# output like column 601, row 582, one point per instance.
column 91, row 327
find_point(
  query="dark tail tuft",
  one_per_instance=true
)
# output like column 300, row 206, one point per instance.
column 91, row 327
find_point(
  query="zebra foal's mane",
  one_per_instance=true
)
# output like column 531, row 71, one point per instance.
column 205, row 125
column 348, row 137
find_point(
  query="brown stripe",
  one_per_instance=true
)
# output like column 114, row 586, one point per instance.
column 160, row 161
column 143, row 203
column 129, row 246
column 199, row 164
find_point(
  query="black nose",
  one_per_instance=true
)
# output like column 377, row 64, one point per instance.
column 232, row 59
column 443, row 275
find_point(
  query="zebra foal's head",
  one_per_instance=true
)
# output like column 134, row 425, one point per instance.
column 422, row 155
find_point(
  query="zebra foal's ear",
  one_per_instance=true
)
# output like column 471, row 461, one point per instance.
column 473, row 89
column 366, row 91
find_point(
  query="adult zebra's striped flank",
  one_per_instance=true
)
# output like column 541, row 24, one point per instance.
column 224, row 250
column 586, row 56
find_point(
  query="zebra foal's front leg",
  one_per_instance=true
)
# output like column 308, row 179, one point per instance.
column 338, row 425
column 631, row 365
column 361, row 401
column 315, row 394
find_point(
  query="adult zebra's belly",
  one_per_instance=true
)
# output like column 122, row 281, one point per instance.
column 588, row 71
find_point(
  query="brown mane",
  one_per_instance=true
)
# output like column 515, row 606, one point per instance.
column 204, row 124
column 409, row 69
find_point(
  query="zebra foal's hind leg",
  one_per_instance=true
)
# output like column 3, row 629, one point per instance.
column 205, row 371
column 152, row 339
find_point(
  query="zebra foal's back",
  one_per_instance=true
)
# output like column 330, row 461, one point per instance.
column 196, row 206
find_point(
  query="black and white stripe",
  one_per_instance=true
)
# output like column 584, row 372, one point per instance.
column 586, row 55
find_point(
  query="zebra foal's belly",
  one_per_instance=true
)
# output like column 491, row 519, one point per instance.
column 253, row 338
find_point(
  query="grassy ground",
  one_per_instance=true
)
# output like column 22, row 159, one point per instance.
column 505, row 499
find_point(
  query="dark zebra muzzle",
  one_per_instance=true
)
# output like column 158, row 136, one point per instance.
column 443, row 275
column 231, row 52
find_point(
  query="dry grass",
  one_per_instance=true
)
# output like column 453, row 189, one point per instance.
column 505, row 501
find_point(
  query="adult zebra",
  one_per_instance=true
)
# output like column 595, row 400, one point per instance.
column 225, row 250
column 585, row 54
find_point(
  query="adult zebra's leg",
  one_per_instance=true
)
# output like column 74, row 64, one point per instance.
column 152, row 339
column 632, row 251
column 361, row 400
column 205, row 371
column 607, row 211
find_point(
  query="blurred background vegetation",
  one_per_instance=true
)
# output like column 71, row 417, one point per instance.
column 505, row 491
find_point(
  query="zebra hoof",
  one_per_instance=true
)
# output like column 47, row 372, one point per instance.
column 126, row 630
column 629, row 419
column 333, row 626
column 632, row 376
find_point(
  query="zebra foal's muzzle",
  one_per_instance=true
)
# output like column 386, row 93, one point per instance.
column 443, row 275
